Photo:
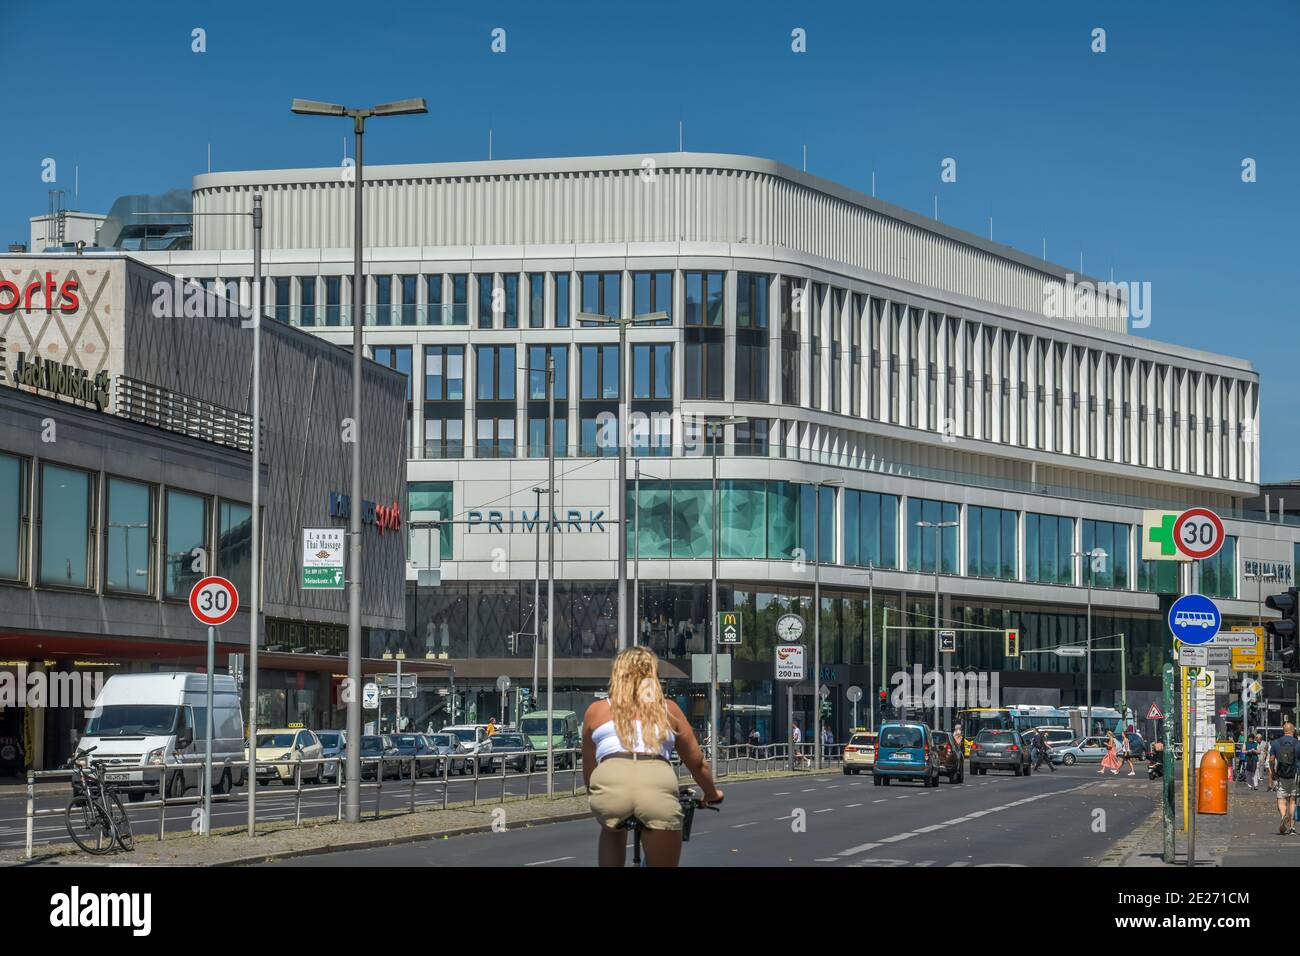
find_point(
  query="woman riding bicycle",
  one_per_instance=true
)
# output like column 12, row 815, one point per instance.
column 627, row 742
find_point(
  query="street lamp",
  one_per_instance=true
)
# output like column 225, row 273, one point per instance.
column 817, row 615
column 938, row 550
column 359, row 115
column 646, row 318
column 1096, row 556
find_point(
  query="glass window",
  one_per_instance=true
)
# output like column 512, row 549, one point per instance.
column 870, row 529
column 307, row 300
column 653, row 292
column 692, row 519
column 235, row 544
column 744, row 521
column 67, row 501
column 1113, row 539
column 496, row 372
column 704, row 298
column 409, row 303
column 128, row 538
column 537, row 435
column 751, row 300
column 536, row 300
column 601, row 293
column 383, row 311
column 433, row 295
column 281, row 286
column 921, row 540
column 485, row 301
column 460, row 299
column 13, row 517
column 561, row 300
column 433, row 496
column 537, row 372
column 510, row 300
column 186, row 531
column 652, row 371
column 1049, row 539
column 599, row 372
column 333, row 296
column 990, row 542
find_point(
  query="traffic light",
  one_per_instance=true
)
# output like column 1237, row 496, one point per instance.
column 1011, row 643
column 826, row 709
column 1286, row 631
column 886, row 711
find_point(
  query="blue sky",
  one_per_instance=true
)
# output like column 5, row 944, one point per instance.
column 1132, row 156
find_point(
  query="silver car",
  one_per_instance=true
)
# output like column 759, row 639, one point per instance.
column 1087, row 750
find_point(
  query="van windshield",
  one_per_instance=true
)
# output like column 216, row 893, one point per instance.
column 132, row 720
column 536, row 726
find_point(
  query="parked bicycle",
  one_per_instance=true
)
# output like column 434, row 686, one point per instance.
column 690, row 803
column 95, row 818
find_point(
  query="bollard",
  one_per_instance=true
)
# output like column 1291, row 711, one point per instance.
column 1212, row 784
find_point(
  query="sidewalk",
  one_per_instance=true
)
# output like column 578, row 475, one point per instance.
column 1245, row 836
column 280, row 839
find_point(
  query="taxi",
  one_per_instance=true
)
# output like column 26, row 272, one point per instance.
column 860, row 751
column 284, row 750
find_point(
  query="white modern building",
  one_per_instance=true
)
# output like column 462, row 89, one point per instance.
column 927, row 374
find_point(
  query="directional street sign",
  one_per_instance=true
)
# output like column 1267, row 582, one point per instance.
column 1153, row 713
column 729, row 628
column 370, row 697
column 322, row 559
column 789, row 662
column 1194, row 619
column 392, row 680
column 1071, row 652
column 1239, row 637
column 1190, row 655
column 948, row 641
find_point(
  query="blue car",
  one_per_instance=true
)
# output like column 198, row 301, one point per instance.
column 906, row 750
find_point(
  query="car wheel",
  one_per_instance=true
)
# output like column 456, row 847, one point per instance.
column 884, row 781
column 136, row 796
column 1028, row 770
column 1018, row 770
column 875, row 780
column 961, row 776
column 1068, row 760
column 225, row 784
column 176, row 787
column 847, row 771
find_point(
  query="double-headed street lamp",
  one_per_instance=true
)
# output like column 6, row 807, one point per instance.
column 352, row 811
column 647, row 318
column 1096, row 557
column 938, row 553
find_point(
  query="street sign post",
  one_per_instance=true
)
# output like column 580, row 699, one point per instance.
column 1194, row 619
column 1198, row 533
column 729, row 628
column 789, row 670
column 1071, row 652
column 1189, row 655
column 213, row 601
column 790, row 662
column 322, row 559
column 370, row 696
column 854, row 694
column 1153, row 713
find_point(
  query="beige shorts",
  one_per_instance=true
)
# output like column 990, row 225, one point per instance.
column 645, row 789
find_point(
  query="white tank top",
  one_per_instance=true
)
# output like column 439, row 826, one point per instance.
column 606, row 740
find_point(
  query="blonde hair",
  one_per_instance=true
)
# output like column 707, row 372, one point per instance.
column 636, row 695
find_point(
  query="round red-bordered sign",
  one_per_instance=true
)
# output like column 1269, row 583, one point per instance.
column 214, row 600
column 1198, row 533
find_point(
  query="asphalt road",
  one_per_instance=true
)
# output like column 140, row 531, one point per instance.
column 274, row 802
column 1070, row 818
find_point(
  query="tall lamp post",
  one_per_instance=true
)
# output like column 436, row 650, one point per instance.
column 1095, row 556
column 352, row 803
column 938, row 561
column 817, row 615
column 646, row 318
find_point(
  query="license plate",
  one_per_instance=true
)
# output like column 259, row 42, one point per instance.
column 902, row 756
column 115, row 778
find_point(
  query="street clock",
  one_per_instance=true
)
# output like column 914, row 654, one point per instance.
column 789, row 628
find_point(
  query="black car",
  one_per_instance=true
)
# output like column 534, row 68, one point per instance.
column 950, row 757
column 376, row 745
column 417, row 746
column 512, row 751
column 999, row 750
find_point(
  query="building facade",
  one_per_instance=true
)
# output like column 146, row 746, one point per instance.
column 880, row 373
column 126, row 476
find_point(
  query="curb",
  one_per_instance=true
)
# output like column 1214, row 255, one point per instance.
column 389, row 841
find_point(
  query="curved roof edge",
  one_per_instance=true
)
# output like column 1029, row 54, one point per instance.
column 634, row 161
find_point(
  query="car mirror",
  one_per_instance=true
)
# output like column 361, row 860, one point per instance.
column 184, row 741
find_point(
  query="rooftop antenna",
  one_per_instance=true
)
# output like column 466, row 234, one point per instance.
column 680, row 138
column 936, row 206
column 489, row 142
column 990, row 228
column 805, row 157
column 1080, row 262
column 873, row 184
column 76, row 186
column 209, row 157
column 1044, row 248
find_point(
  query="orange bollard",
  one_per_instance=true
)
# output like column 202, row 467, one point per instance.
column 1212, row 784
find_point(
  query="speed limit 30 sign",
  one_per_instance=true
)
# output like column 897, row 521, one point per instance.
column 214, row 600
column 1198, row 533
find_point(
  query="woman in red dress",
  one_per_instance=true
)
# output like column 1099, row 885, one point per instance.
column 1111, row 761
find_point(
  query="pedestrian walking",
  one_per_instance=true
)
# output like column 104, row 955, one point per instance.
column 1252, row 762
column 1111, row 760
column 1283, row 754
column 1126, row 752
column 1044, row 749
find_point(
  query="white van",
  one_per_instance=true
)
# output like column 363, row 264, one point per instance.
column 155, row 720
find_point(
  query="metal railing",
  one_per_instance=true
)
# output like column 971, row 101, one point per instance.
column 409, row 775
column 176, row 412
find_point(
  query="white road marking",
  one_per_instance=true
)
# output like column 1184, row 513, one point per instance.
column 881, row 800
column 861, row 848
column 898, row 837
column 852, row 805
column 738, row 826
column 558, row 859
column 827, row 810
column 782, row 793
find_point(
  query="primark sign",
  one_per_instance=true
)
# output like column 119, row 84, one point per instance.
column 573, row 521
column 1280, row 571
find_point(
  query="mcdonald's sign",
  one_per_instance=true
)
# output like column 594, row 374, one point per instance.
column 729, row 627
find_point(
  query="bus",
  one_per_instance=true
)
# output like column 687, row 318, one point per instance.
column 1021, row 717
column 1103, row 719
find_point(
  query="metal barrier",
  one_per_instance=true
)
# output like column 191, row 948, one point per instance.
column 404, row 768
column 733, row 758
